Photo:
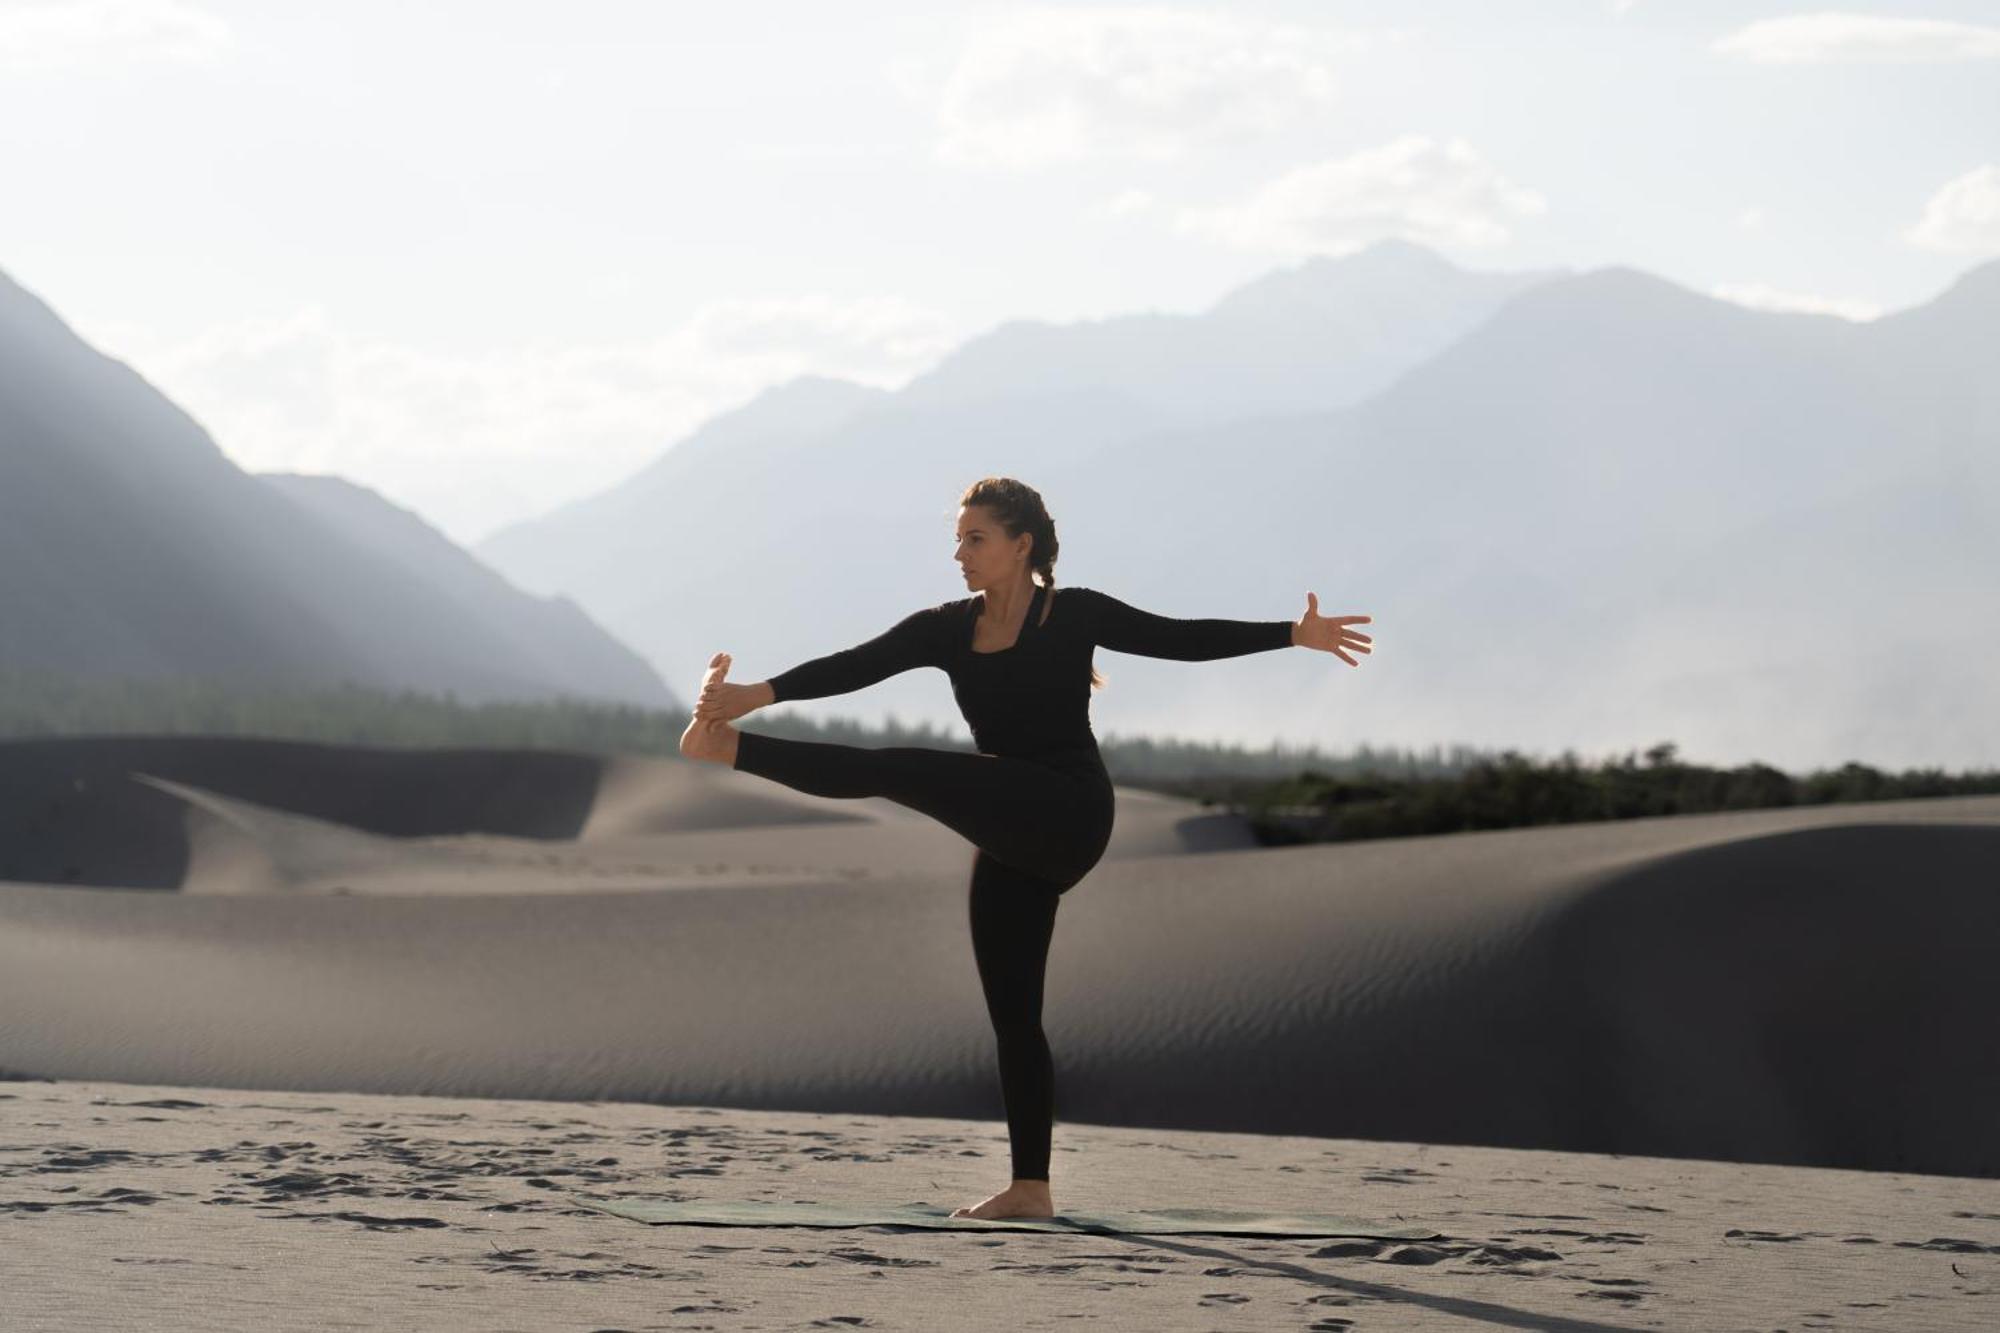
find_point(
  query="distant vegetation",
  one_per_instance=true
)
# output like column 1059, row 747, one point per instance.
column 48, row 704
column 1513, row 791
column 1290, row 794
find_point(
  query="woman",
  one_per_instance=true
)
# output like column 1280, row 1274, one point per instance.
column 1036, row 801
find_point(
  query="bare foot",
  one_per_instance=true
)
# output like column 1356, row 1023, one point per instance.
column 1023, row 1198
column 705, row 739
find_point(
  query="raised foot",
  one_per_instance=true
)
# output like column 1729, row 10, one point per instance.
column 714, row 741
column 1023, row 1198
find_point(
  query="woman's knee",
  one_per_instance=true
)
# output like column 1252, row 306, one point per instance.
column 1022, row 1033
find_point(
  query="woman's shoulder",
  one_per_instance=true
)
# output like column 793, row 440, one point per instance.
column 938, row 619
column 947, row 616
column 1075, row 606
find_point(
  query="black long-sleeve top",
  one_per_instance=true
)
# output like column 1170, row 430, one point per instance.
column 1033, row 697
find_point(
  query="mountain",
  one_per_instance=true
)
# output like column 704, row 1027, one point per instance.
column 612, row 540
column 129, row 545
column 1612, row 511
column 1323, row 334
column 1621, row 510
column 798, row 520
column 549, row 638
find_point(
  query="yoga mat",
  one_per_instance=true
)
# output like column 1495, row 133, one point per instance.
column 1145, row 1222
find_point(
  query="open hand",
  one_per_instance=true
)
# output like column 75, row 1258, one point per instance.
column 1330, row 633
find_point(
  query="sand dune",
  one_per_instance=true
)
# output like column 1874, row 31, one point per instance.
column 232, row 815
column 1810, row 986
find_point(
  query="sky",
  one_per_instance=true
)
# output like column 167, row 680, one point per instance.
column 487, row 258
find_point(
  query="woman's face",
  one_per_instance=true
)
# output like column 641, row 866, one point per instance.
column 985, row 552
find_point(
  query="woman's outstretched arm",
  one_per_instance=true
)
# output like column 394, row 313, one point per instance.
column 1127, row 629
column 913, row 641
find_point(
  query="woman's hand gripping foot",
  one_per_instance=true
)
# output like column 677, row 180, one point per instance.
column 708, row 739
column 1023, row 1198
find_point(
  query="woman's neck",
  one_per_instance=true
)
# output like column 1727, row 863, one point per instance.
column 1008, row 603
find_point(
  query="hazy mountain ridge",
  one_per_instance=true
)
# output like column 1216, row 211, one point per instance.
column 1319, row 335
column 858, row 500
column 849, row 504
column 1509, row 509
column 1521, row 515
column 562, row 548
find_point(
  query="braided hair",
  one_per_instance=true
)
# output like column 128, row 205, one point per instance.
column 1019, row 508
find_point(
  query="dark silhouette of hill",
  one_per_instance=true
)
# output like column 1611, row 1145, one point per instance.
column 130, row 546
column 549, row 636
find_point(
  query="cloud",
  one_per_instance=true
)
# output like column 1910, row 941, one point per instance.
column 44, row 36
column 1822, row 37
column 1963, row 217
column 1042, row 85
column 875, row 340
column 1759, row 297
column 1751, row 219
column 473, row 442
column 1430, row 192
column 1124, row 204
column 835, row 150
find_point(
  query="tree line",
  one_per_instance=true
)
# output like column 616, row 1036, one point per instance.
column 1289, row 793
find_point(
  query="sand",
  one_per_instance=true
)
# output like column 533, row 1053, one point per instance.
column 1715, row 1071
column 166, row 1207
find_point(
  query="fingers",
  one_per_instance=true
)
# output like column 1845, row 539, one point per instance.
column 708, row 702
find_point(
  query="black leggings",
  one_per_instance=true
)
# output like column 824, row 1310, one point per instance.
column 1038, row 828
